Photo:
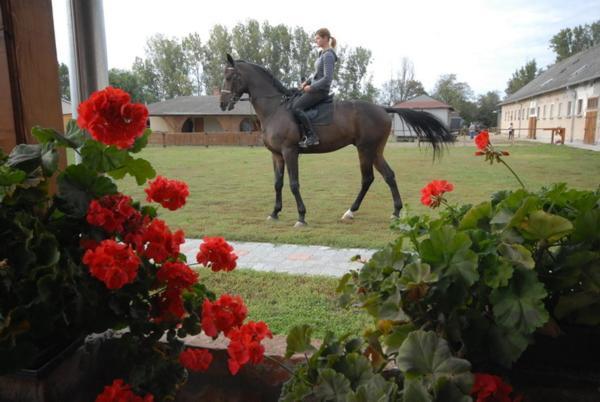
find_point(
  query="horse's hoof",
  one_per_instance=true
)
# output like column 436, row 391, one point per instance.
column 392, row 217
column 348, row 215
column 272, row 218
column 300, row 224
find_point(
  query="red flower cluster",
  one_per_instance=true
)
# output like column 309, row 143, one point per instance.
column 223, row 315
column 244, row 346
column 111, row 118
column 432, row 193
column 170, row 194
column 218, row 253
column 118, row 391
column 170, row 306
column 113, row 263
column 160, row 243
column 177, row 275
column 491, row 388
column 482, row 140
column 111, row 212
column 195, row 359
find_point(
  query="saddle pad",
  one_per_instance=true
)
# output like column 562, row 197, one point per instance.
column 321, row 114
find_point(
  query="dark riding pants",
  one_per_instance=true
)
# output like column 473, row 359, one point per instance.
column 305, row 101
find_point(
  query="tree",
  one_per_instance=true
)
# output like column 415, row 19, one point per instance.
column 457, row 95
column 569, row 41
column 128, row 81
column 192, row 47
column 148, row 80
column 403, row 87
column 63, row 78
column 487, row 108
column 353, row 81
column 303, row 58
column 522, row 77
column 170, row 65
column 248, row 42
column 277, row 51
column 213, row 62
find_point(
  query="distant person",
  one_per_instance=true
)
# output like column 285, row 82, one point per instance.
column 511, row 131
column 472, row 130
column 316, row 89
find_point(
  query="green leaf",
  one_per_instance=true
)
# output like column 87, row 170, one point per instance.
column 356, row 368
column 102, row 158
column 394, row 340
column 447, row 251
column 544, row 226
column 517, row 254
column 9, row 176
column 78, row 185
column 298, row 340
column 49, row 159
column 141, row 169
column 520, row 305
column 586, row 226
column 477, row 217
column 141, row 141
column 415, row 391
column 496, row 271
column 332, row 386
column 574, row 304
column 424, row 354
column 506, row 345
column 77, row 136
column 49, row 135
column 25, row 157
column 416, row 273
column 377, row 389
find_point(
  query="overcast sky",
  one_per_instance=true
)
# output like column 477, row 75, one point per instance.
column 482, row 42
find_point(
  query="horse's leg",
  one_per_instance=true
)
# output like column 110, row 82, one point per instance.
column 366, row 170
column 390, row 178
column 278, row 169
column 291, row 160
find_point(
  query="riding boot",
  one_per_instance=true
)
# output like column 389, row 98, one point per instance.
column 310, row 138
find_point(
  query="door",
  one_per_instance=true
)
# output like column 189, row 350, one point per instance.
column 532, row 127
column 589, row 136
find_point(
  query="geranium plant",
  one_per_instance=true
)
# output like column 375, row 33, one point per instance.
column 89, row 258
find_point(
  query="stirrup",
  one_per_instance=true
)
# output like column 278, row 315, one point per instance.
column 308, row 141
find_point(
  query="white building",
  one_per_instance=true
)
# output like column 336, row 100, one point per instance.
column 442, row 111
column 565, row 96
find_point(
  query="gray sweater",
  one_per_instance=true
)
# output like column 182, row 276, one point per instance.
column 323, row 75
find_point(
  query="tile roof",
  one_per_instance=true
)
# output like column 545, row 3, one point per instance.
column 197, row 105
column 422, row 102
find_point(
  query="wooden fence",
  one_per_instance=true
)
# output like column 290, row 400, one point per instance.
column 240, row 138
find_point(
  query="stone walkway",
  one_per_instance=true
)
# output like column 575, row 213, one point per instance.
column 289, row 258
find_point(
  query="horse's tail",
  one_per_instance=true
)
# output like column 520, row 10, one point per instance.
column 425, row 125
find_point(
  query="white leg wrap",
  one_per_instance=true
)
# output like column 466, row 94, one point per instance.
column 348, row 215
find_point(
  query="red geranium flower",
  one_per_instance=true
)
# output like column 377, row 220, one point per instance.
column 160, row 243
column 111, row 212
column 195, row 359
column 218, row 253
column 482, row 140
column 170, row 306
column 110, row 118
column 118, row 391
column 177, row 275
column 432, row 193
column 223, row 315
column 170, row 194
column 491, row 388
column 245, row 346
column 113, row 263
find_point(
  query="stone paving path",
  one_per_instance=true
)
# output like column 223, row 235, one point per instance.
column 289, row 258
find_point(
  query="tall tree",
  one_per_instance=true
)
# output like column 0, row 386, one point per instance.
column 215, row 50
column 194, row 53
column 63, row 79
column 148, row 80
column 522, row 77
column 277, row 51
column 403, row 87
column 128, row 81
column 487, row 108
column 569, row 41
column 353, row 82
column 303, row 57
column 248, row 42
column 456, row 94
column 170, row 65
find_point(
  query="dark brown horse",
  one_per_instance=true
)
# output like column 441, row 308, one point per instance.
column 363, row 124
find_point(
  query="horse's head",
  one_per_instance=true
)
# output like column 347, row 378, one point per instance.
column 233, row 85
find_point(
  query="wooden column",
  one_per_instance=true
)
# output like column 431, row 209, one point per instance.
column 29, row 83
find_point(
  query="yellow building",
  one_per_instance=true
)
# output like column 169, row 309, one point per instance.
column 564, row 98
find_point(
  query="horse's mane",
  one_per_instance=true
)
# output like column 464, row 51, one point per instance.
column 278, row 85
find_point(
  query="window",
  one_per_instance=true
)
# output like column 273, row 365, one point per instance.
column 558, row 114
column 552, row 111
column 569, row 108
column 532, row 112
column 579, row 106
column 537, row 115
column 544, row 112
column 592, row 103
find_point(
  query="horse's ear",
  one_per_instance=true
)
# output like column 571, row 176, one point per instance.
column 230, row 60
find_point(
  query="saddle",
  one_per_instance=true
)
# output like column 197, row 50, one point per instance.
column 321, row 114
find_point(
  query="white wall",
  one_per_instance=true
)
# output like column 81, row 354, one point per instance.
column 400, row 129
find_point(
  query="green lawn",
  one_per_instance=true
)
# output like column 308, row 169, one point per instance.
column 232, row 188
column 283, row 301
